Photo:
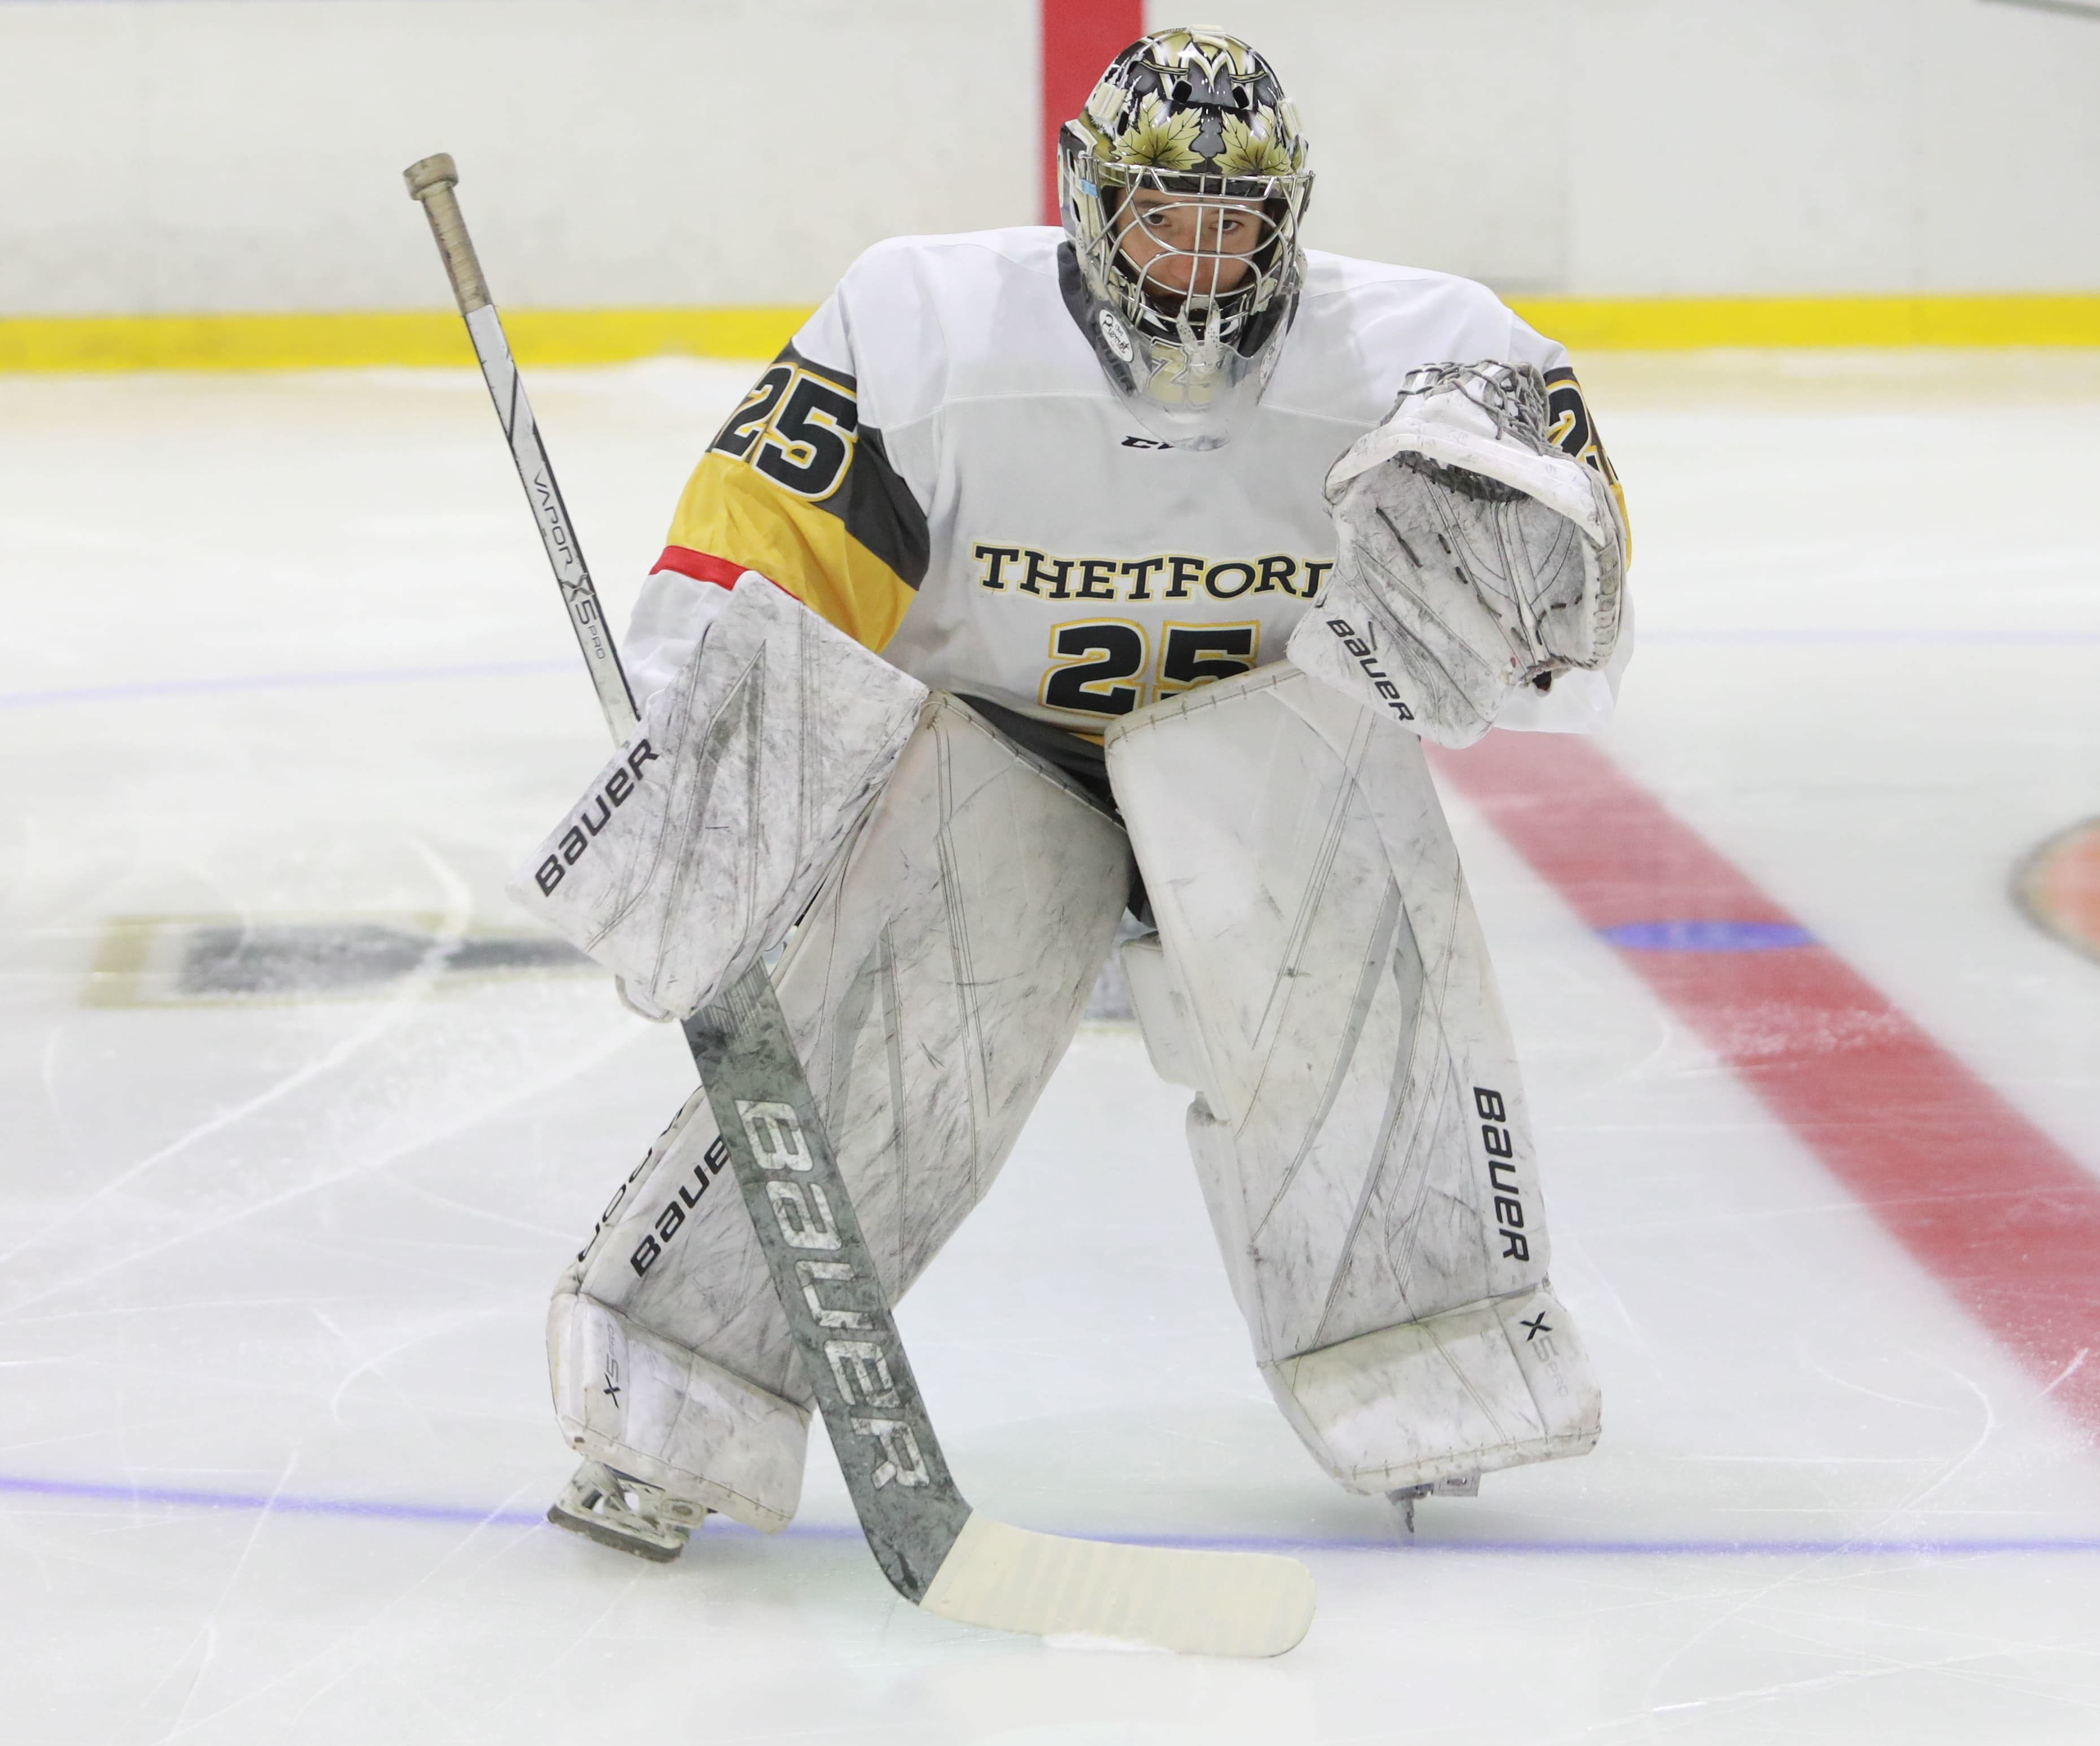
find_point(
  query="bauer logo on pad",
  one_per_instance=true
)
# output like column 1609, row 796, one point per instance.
column 593, row 816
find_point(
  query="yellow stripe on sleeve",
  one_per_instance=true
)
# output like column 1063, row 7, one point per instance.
column 731, row 511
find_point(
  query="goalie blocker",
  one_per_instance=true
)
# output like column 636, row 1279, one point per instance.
column 706, row 836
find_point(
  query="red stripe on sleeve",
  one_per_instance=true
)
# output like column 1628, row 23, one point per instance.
column 701, row 566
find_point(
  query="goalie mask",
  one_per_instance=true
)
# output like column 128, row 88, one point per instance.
column 1183, row 184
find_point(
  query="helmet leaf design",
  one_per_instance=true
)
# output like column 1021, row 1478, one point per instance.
column 1249, row 151
column 1160, row 140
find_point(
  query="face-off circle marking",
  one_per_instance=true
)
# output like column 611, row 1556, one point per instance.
column 2058, row 887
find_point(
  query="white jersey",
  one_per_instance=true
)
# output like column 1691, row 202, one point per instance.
column 937, row 466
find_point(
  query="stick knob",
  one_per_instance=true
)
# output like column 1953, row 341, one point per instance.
column 431, row 180
column 428, row 173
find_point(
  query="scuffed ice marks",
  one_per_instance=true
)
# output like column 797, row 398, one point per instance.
column 308, row 1096
column 323, row 959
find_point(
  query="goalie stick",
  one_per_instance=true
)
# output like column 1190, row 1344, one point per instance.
column 936, row 1550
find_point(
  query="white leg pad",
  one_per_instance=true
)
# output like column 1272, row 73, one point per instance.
column 1493, row 1385
column 645, row 1405
column 1361, row 1134
column 931, row 990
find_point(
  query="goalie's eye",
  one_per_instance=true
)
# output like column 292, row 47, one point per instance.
column 1208, row 226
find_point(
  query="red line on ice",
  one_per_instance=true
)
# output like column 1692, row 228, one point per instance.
column 2006, row 1220
column 1080, row 37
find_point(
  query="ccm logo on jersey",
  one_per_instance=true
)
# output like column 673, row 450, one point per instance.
column 1373, row 672
column 1501, row 1156
column 569, row 850
column 1170, row 575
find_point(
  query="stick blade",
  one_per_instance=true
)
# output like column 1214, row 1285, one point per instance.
column 1236, row 1603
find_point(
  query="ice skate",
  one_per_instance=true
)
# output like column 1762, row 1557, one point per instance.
column 1403, row 1501
column 624, row 1514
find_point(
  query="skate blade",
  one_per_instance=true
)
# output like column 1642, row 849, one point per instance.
column 591, row 1529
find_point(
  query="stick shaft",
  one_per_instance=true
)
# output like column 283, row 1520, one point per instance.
column 431, row 182
column 557, row 533
column 823, row 1273
column 757, row 1087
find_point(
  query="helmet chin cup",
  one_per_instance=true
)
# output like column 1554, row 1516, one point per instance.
column 1187, row 388
column 1199, row 393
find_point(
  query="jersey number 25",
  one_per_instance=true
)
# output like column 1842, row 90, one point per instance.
column 796, row 428
column 1105, row 664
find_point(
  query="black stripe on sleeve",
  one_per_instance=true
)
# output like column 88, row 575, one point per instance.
column 880, row 512
column 800, row 426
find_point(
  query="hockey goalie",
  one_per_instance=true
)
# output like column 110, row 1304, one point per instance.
column 1051, row 575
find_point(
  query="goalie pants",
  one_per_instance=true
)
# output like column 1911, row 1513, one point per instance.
column 1317, row 978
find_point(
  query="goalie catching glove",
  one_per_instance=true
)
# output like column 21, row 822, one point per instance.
column 1476, row 559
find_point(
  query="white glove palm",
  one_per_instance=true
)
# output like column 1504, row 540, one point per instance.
column 1475, row 557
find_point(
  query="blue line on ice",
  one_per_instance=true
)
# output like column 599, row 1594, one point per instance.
column 383, row 1510
column 126, row 694
column 274, row 1503
column 1708, row 936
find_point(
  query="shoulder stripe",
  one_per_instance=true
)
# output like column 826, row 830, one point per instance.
column 702, row 566
column 799, row 546
column 880, row 512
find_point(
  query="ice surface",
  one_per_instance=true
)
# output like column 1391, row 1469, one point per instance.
column 299, row 1128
